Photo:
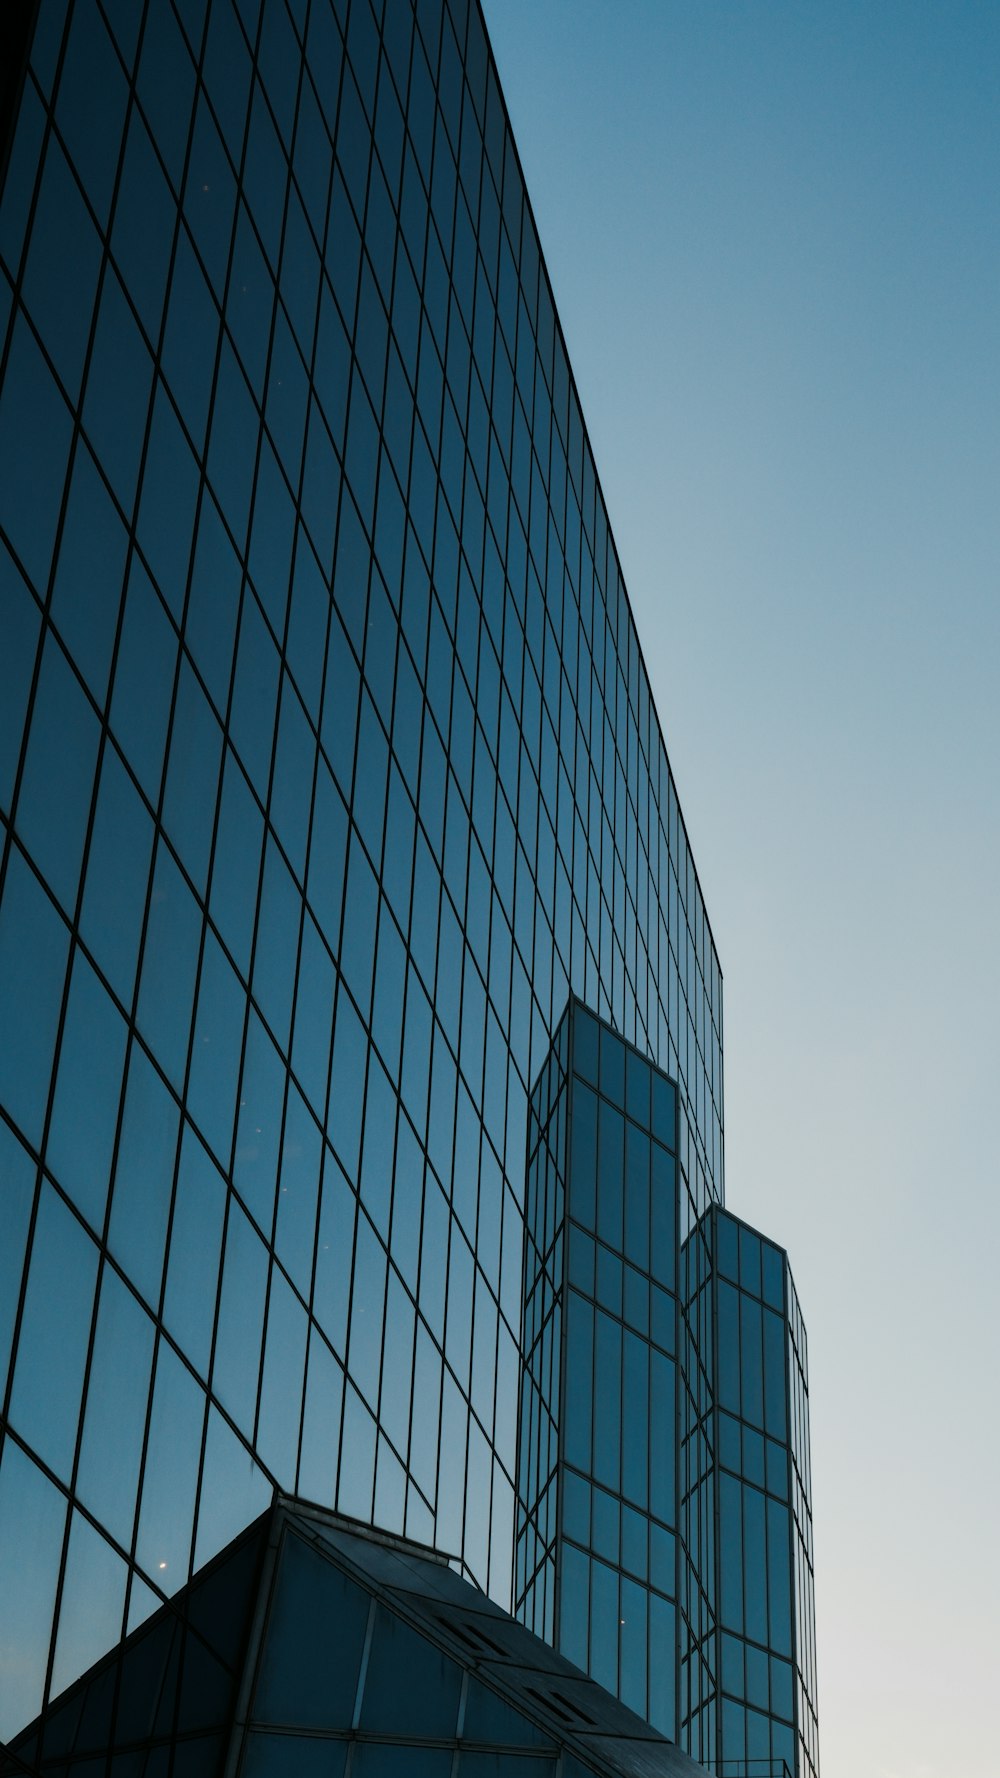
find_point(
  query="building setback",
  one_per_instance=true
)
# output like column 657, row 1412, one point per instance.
column 329, row 777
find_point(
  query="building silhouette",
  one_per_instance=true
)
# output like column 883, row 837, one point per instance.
column 329, row 779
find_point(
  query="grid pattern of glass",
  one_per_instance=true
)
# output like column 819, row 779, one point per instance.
column 596, row 1562
column 328, row 766
column 800, row 1477
column 663, row 1435
column 309, row 1646
column 766, row 1646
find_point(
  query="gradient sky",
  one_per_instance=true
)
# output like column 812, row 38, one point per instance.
column 773, row 231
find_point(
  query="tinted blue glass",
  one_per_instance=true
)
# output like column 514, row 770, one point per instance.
column 295, row 1225
column 34, row 445
column 255, row 696
column 114, row 899
column 144, row 682
column 236, row 868
column 52, row 1350
column 33, row 946
column 610, row 1178
column 88, row 584
column 278, row 919
column 32, row 1512
column 236, row 1367
column 774, row 1374
column 17, row 1182
column 91, row 105
column 258, row 1133
column 232, row 445
column 190, row 341
column 727, row 1248
column 213, row 604
column 88, row 1093
column 20, row 175
column 166, row 87
column 779, row 1596
column 116, row 402
column 144, row 1177
column 270, row 1756
column 215, row 1053
column 195, row 1248
column 663, row 1191
column 320, row 1423
column 637, row 1166
column 143, row 228
column 92, row 1606
column 277, row 1434
column 62, row 308
column 21, row 622
column 774, row 1276
column 169, row 967
column 751, row 1361
column 115, row 1411
column 410, row 1686
column 583, row 1168
column 170, row 1473
column 167, row 504
column 192, row 777
column 234, row 1490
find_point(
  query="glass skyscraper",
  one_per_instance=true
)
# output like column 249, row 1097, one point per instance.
column 664, row 1532
column 329, row 773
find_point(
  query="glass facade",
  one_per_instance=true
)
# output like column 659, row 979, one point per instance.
column 308, row 1648
column 328, row 767
column 663, row 1535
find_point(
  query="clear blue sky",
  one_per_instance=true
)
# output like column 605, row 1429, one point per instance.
column 773, row 231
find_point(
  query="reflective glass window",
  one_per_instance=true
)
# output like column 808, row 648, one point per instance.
column 167, row 504
column 115, row 1413
column 116, row 402
column 62, row 308
column 195, row 1247
column 33, row 946
column 192, row 777
column 17, row 1171
column 143, row 686
column 55, row 1332
column 21, row 624
column 215, row 1053
column 410, row 1686
column 92, row 1605
column 32, row 1511
column 277, row 1433
column 169, row 967
column 114, row 899
column 58, row 775
column 143, row 228
column 91, row 106
column 144, row 1177
column 88, row 1093
column 170, row 1472
column 235, row 1373
column 234, row 1490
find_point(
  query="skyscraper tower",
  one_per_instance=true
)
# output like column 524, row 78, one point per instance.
column 329, row 772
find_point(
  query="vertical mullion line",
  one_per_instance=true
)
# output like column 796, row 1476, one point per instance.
column 353, row 832
column 159, row 1333
column 315, row 416
column 420, row 668
column 384, row 73
column 283, row 692
column 204, row 898
column 74, row 922
column 408, row 1455
column 431, row 345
